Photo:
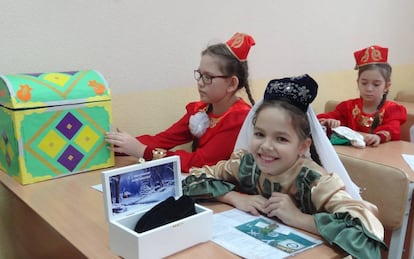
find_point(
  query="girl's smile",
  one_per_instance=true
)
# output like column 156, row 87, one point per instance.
column 276, row 145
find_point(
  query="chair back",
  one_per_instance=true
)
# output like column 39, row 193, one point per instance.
column 385, row 186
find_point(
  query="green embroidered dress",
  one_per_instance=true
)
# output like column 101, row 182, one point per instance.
column 340, row 220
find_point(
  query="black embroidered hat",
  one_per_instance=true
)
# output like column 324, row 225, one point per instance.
column 299, row 90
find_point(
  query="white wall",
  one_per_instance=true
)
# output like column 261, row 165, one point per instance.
column 155, row 44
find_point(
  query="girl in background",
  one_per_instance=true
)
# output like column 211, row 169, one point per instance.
column 376, row 118
column 277, row 178
column 211, row 124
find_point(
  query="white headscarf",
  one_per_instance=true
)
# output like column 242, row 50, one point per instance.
column 327, row 154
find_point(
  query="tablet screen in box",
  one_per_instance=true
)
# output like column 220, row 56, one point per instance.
column 138, row 187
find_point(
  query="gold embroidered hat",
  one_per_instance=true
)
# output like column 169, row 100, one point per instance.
column 299, row 90
column 372, row 55
column 240, row 45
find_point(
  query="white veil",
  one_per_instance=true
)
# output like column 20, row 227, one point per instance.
column 326, row 152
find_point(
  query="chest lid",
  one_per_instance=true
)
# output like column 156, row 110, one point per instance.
column 23, row 91
column 132, row 189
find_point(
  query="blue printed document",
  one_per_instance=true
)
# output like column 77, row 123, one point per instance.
column 258, row 237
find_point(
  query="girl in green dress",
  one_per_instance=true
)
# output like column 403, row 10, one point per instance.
column 277, row 178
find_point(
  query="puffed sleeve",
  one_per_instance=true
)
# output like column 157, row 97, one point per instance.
column 213, row 181
column 346, row 222
column 339, row 113
column 390, row 128
column 216, row 144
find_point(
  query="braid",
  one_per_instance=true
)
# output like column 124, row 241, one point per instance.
column 249, row 94
column 194, row 144
column 230, row 65
column 376, row 121
column 385, row 70
column 314, row 154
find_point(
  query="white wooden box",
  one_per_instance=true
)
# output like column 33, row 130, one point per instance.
column 131, row 191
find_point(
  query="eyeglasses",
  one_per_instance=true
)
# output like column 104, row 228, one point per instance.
column 207, row 79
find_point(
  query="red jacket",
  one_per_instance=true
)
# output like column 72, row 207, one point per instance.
column 350, row 113
column 215, row 144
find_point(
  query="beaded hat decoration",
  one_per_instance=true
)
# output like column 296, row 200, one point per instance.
column 240, row 45
column 372, row 55
column 299, row 91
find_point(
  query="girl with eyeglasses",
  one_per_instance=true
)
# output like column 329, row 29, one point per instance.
column 212, row 124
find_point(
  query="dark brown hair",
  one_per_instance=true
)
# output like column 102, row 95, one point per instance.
column 230, row 65
column 299, row 121
column 385, row 70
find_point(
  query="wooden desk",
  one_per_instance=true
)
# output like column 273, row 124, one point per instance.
column 390, row 153
column 65, row 218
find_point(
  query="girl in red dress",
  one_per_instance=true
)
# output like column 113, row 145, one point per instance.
column 376, row 118
column 211, row 124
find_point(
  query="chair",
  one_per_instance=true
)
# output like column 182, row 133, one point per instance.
column 404, row 96
column 388, row 188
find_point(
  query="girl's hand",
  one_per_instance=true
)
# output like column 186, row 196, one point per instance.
column 330, row 123
column 280, row 205
column 372, row 139
column 253, row 204
column 124, row 143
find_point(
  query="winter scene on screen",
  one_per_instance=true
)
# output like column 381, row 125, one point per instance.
column 144, row 186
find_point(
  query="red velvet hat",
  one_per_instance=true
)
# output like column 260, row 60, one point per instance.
column 372, row 55
column 240, row 45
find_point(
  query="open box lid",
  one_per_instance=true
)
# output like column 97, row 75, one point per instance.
column 132, row 189
column 34, row 90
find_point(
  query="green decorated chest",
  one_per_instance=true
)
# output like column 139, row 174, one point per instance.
column 54, row 124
